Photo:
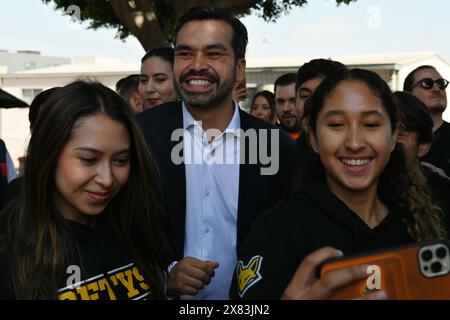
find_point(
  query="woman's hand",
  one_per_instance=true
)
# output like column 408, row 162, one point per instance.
column 305, row 286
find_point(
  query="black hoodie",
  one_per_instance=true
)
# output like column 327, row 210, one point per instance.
column 311, row 219
column 100, row 270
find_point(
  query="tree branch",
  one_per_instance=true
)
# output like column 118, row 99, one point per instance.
column 140, row 18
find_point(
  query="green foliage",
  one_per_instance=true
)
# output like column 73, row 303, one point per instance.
column 99, row 13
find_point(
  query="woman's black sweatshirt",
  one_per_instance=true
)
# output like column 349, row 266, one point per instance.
column 102, row 269
column 311, row 219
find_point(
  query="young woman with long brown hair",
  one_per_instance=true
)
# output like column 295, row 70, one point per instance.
column 88, row 222
column 358, row 193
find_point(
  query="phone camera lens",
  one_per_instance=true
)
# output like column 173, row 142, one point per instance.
column 441, row 252
column 427, row 255
column 436, row 267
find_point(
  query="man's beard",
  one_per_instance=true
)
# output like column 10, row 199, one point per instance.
column 437, row 109
column 205, row 100
column 292, row 129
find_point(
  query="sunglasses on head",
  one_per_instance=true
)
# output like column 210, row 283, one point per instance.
column 428, row 83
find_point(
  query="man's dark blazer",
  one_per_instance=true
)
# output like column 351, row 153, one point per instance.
column 256, row 192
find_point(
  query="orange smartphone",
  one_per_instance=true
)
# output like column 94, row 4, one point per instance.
column 419, row 271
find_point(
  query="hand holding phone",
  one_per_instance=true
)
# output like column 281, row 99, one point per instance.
column 305, row 285
column 416, row 271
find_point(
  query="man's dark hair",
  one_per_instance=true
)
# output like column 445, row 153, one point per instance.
column 414, row 116
column 36, row 104
column 316, row 68
column 239, row 39
column 410, row 78
column 165, row 53
column 125, row 87
column 284, row 80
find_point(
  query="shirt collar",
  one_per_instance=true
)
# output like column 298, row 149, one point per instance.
column 233, row 126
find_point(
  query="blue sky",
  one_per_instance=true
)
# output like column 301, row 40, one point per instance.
column 319, row 29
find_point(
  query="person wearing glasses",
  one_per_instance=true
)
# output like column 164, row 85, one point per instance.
column 426, row 83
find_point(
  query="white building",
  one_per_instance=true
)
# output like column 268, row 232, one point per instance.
column 261, row 74
column 27, row 60
column 13, row 125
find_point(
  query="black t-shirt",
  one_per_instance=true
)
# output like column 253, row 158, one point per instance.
column 102, row 270
column 439, row 154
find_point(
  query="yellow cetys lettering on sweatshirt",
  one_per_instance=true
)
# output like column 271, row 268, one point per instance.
column 121, row 283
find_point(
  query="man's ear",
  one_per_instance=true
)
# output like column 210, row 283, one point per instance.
column 136, row 102
column 240, row 70
column 423, row 149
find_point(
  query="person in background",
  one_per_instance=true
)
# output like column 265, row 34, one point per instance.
column 309, row 76
column 416, row 136
column 33, row 111
column 156, row 78
column 12, row 188
column 88, row 222
column 287, row 113
column 263, row 107
column 127, row 88
column 36, row 105
column 427, row 84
